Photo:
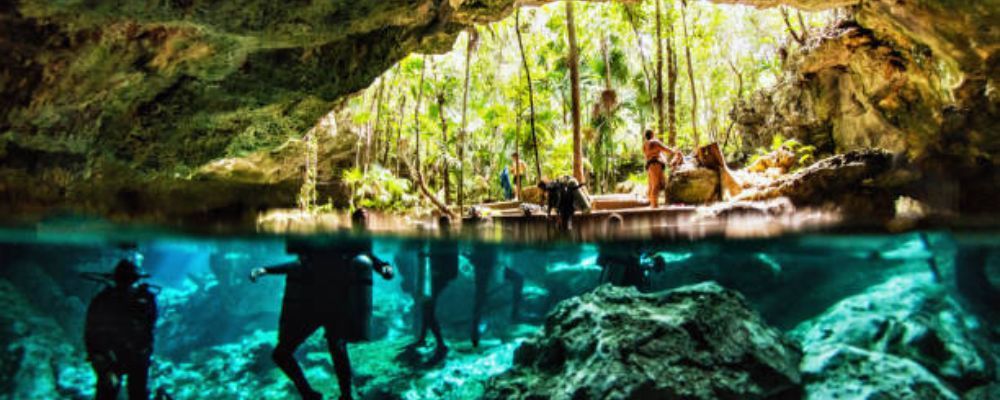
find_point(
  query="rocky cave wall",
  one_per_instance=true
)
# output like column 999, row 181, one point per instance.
column 880, row 79
column 109, row 106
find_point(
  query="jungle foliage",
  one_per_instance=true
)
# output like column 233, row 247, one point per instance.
column 726, row 53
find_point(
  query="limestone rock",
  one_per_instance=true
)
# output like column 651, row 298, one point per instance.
column 36, row 359
column 983, row 392
column 845, row 90
column 700, row 341
column 692, row 184
column 156, row 91
column 846, row 182
column 907, row 317
column 846, row 372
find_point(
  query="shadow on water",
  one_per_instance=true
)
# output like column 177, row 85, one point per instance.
column 449, row 318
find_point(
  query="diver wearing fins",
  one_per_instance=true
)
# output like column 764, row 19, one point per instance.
column 330, row 286
column 118, row 332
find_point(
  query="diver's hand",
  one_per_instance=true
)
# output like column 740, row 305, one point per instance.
column 659, row 263
column 385, row 270
column 257, row 273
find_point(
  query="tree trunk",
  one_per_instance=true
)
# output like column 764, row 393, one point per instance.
column 531, row 93
column 416, row 115
column 379, row 129
column 659, row 71
column 788, row 24
column 642, row 58
column 672, row 90
column 609, row 104
column 694, row 90
column 574, row 74
column 471, row 45
column 605, row 53
column 444, row 144
column 399, row 132
column 371, row 140
column 739, row 95
column 802, row 25
column 388, row 130
column 417, row 172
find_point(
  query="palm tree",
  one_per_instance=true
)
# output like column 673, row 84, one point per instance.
column 531, row 92
column 470, row 46
column 574, row 73
column 690, row 70
column 659, row 68
column 443, row 208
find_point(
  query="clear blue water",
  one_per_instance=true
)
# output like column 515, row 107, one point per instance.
column 216, row 329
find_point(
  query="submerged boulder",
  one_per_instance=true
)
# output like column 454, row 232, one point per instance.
column 847, row 372
column 37, row 360
column 698, row 342
column 906, row 320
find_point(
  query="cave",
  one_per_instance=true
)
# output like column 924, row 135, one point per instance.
column 587, row 199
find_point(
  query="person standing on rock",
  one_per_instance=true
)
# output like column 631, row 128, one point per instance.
column 329, row 286
column 656, row 166
column 118, row 334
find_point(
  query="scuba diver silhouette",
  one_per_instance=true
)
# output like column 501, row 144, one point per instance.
column 566, row 196
column 330, row 286
column 483, row 258
column 118, row 332
column 444, row 268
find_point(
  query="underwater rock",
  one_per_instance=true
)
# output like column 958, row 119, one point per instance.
column 701, row 341
column 37, row 360
column 692, row 184
column 909, row 317
column 847, row 372
column 245, row 368
column 462, row 375
column 988, row 392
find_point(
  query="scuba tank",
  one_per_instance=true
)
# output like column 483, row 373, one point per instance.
column 120, row 319
column 359, row 299
column 570, row 190
column 581, row 199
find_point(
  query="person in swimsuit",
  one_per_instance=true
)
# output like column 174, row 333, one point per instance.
column 656, row 165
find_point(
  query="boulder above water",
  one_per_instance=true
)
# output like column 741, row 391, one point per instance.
column 860, row 183
column 698, row 342
column 693, row 184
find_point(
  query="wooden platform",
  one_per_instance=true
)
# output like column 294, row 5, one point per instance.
column 604, row 202
column 638, row 219
column 636, row 222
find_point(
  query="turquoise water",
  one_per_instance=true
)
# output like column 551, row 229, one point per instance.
column 216, row 329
